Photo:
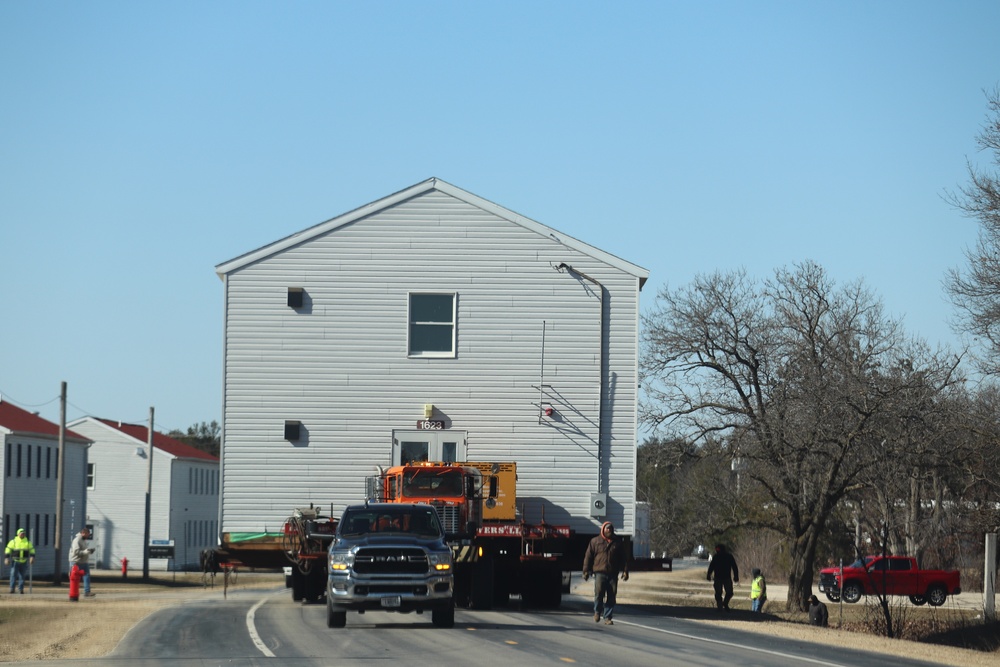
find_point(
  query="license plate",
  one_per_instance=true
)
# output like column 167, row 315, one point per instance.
column 393, row 601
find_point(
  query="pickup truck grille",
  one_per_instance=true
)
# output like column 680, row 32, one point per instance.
column 390, row 561
column 827, row 582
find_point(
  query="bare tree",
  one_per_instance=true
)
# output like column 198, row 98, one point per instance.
column 680, row 484
column 789, row 374
column 976, row 290
column 909, row 478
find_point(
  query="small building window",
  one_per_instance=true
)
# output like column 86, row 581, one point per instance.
column 292, row 430
column 431, row 325
column 91, row 476
column 296, row 297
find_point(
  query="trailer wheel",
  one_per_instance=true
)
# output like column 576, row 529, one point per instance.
column 314, row 587
column 918, row 600
column 937, row 595
column 543, row 589
column 852, row 592
column 443, row 617
column 335, row 617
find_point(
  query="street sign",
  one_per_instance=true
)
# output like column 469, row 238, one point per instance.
column 161, row 549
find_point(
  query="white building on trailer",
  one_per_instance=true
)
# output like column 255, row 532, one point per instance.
column 28, row 486
column 431, row 323
column 184, row 501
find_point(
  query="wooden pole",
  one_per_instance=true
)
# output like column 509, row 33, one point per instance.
column 149, row 495
column 60, row 481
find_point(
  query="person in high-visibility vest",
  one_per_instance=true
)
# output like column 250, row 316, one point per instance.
column 758, row 591
column 20, row 553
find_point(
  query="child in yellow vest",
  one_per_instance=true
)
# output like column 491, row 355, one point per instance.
column 758, row 591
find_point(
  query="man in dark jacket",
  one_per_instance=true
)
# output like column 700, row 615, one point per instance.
column 723, row 564
column 605, row 560
column 818, row 614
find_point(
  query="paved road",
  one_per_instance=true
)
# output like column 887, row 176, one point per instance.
column 258, row 628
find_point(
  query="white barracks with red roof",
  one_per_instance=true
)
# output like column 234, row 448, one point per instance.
column 28, row 484
column 184, row 507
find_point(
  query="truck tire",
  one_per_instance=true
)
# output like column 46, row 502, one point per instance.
column 937, row 595
column 335, row 617
column 443, row 617
column 852, row 592
column 918, row 600
column 543, row 589
column 833, row 596
column 297, row 581
column 314, row 587
column 482, row 585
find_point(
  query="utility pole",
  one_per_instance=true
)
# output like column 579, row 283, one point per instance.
column 60, row 477
column 149, row 495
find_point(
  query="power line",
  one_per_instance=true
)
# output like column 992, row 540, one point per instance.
column 21, row 404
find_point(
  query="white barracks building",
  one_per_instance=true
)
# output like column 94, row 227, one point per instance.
column 429, row 323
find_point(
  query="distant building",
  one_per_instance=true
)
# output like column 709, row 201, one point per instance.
column 184, row 503
column 28, row 485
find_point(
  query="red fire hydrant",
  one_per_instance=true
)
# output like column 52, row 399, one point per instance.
column 75, row 577
column 124, row 567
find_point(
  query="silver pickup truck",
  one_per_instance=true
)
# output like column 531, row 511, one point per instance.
column 390, row 557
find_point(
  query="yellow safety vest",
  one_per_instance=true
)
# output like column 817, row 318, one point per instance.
column 758, row 588
column 19, row 550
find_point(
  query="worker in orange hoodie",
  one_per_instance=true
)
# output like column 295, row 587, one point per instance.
column 606, row 559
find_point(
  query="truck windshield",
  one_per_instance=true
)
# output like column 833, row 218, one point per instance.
column 421, row 521
column 432, row 483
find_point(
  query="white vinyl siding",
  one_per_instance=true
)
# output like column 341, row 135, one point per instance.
column 342, row 369
column 182, row 495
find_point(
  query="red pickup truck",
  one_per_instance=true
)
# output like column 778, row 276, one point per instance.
column 891, row 575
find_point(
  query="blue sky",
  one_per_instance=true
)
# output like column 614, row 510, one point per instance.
column 143, row 143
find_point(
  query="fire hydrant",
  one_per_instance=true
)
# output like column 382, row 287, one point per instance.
column 124, row 568
column 75, row 577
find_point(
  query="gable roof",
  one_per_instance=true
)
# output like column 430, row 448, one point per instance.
column 162, row 442
column 21, row 422
column 420, row 188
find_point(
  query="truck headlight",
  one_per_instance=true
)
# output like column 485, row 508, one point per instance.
column 440, row 562
column 341, row 561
